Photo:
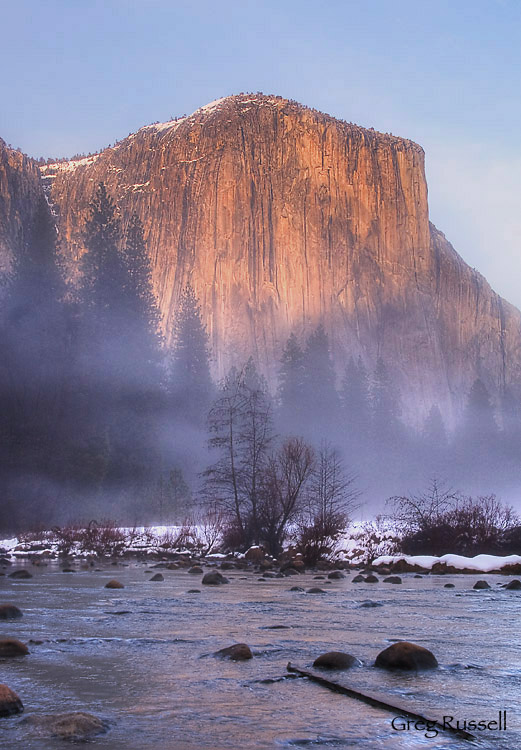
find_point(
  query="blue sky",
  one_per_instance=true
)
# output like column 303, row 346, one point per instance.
column 80, row 74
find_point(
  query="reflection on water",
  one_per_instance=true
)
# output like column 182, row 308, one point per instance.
column 141, row 657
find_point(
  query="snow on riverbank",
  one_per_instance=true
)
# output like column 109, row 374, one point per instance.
column 481, row 563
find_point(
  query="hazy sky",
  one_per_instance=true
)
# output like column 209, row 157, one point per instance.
column 80, row 74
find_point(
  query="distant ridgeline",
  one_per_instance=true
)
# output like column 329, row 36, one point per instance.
column 253, row 228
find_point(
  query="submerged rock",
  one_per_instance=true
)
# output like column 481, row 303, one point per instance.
column 296, row 588
column 448, row 586
column 392, row 579
column 481, row 585
column 11, row 647
column 315, row 590
column 10, row 612
column 335, row 575
column 10, row 703
column 358, row 579
column 335, row 660
column 114, row 584
column 77, row 726
column 371, row 579
column 214, row 578
column 20, row 574
column 157, row 577
column 237, row 652
column 405, row 655
column 195, row 570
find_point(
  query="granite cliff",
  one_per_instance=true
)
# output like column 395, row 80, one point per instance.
column 282, row 217
column 20, row 188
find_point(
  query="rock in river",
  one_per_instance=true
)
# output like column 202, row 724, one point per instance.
column 113, row 584
column 9, row 612
column 405, row 655
column 76, row 727
column 157, row 577
column 237, row 652
column 514, row 585
column 335, row 660
column 10, row 703
column 11, row 647
column 214, row 578
column 20, row 574
column 335, row 575
column 481, row 585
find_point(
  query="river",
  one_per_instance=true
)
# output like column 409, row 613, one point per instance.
column 151, row 673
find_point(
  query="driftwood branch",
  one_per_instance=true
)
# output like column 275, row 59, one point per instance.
column 377, row 702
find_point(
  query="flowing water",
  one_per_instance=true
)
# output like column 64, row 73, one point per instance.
column 141, row 658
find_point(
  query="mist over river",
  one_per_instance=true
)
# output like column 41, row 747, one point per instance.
column 141, row 658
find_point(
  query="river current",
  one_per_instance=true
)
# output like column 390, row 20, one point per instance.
column 142, row 658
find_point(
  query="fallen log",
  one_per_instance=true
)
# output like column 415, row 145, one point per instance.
column 372, row 700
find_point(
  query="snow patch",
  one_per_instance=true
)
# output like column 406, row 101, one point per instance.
column 67, row 166
column 481, row 563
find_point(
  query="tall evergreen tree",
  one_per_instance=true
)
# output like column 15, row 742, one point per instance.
column 291, row 385
column 191, row 383
column 355, row 400
column 321, row 399
column 385, row 405
column 119, row 366
column 35, row 360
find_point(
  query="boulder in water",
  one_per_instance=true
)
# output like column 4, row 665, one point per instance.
column 195, row 570
column 315, row 590
column 157, row 577
column 335, row 660
column 392, row 579
column 214, row 578
column 76, row 727
column 336, row 575
column 21, row 574
column 514, row 585
column 10, row 703
column 371, row 578
column 9, row 612
column 405, row 655
column 113, row 584
column 481, row 585
column 358, row 579
column 11, row 647
column 237, row 652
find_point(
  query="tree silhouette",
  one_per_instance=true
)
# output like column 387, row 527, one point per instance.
column 191, row 385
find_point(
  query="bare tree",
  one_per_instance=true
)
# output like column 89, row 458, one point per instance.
column 287, row 474
column 331, row 500
column 241, row 429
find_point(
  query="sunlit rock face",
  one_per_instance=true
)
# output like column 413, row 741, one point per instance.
column 20, row 189
column 282, row 217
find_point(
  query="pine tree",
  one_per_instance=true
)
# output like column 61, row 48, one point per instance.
column 355, row 400
column 385, row 406
column 33, row 374
column 321, row 399
column 291, row 385
column 120, row 360
column 190, row 381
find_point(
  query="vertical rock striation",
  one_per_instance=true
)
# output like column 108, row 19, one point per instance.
column 283, row 217
column 20, row 188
